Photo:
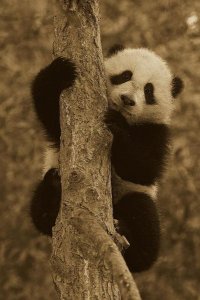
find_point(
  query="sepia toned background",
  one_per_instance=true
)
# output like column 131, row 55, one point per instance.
column 172, row 29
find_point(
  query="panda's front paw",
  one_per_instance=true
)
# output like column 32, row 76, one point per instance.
column 64, row 71
column 115, row 121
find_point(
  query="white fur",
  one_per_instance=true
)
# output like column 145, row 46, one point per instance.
column 121, row 187
column 147, row 67
column 51, row 159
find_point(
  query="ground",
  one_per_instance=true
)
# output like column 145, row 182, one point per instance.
column 172, row 29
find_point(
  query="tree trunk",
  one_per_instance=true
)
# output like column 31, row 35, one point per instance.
column 86, row 262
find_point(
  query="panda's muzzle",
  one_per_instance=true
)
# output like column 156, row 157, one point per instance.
column 127, row 101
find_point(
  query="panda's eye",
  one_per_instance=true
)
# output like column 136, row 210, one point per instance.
column 121, row 78
column 149, row 93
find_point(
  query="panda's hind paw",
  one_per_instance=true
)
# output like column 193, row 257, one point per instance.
column 52, row 177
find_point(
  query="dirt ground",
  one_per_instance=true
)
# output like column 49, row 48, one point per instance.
column 172, row 29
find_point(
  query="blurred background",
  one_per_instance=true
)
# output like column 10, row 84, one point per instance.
column 172, row 29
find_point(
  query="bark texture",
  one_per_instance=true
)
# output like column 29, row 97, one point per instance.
column 86, row 262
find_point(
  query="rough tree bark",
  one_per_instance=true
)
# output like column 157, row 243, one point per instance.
column 86, row 261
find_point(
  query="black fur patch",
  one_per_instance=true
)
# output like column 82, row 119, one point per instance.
column 115, row 49
column 139, row 223
column 139, row 151
column 46, row 90
column 121, row 78
column 177, row 86
column 46, row 200
column 149, row 94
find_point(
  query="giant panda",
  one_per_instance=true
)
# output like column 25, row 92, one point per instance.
column 141, row 99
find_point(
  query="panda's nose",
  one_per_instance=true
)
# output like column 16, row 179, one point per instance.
column 127, row 101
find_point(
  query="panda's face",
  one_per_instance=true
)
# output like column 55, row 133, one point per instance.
column 139, row 86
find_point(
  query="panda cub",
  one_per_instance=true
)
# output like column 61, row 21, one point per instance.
column 141, row 92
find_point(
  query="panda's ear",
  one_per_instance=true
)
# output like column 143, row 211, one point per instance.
column 115, row 49
column 177, row 86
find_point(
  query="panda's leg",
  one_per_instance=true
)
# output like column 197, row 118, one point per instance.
column 139, row 223
column 45, row 203
column 46, row 89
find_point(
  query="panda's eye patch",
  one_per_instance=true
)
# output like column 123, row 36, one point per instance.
column 149, row 93
column 121, row 78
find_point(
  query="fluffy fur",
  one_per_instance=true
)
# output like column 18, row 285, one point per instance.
column 46, row 202
column 46, row 90
column 146, row 67
column 139, row 222
column 141, row 92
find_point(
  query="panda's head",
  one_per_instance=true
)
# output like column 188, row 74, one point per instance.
column 140, row 85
